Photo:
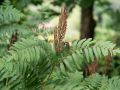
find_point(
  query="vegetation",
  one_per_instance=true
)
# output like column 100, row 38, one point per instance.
column 30, row 61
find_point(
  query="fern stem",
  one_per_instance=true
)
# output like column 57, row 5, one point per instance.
column 44, row 83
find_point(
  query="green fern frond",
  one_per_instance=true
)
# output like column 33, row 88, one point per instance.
column 6, row 32
column 8, row 14
column 94, row 50
column 93, row 82
column 3, row 48
column 28, row 63
column 11, row 28
column 84, row 51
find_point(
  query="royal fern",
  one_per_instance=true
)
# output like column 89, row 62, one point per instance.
column 34, row 64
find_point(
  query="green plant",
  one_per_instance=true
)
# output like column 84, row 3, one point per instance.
column 33, row 64
column 10, row 22
column 94, row 82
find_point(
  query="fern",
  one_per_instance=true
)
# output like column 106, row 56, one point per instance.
column 10, row 19
column 33, row 64
column 94, row 82
column 84, row 51
column 94, row 50
column 28, row 63
column 24, row 58
column 9, row 29
column 8, row 14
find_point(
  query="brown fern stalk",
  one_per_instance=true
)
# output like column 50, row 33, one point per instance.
column 60, row 30
column 13, row 39
column 62, row 23
column 108, row 59
column 91, row 68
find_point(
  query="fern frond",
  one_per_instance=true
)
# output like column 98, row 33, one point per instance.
column 31, row 42
column 93, row 82
column 83, row 51
column 11, row 28
column 3, row 48
column 94, row 50
column 28, row 63
column 8, row 14
column 67, row 83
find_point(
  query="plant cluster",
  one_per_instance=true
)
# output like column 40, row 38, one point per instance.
column 28, row 63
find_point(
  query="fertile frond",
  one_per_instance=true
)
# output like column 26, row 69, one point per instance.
column 60, row 30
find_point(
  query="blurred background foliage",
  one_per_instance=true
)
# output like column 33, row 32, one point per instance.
column 106, row 13
column 43, row 14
